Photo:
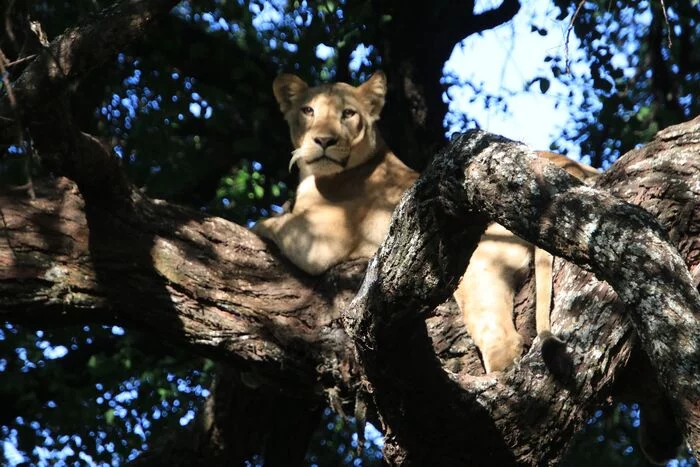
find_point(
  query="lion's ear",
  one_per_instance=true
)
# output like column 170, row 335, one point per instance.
column 374, row 91
column 286, row 87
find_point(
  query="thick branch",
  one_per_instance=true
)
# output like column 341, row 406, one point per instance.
column 621, row 243
column 81, row 49
column 198, row 280
column 191, row 279
column 465, row 23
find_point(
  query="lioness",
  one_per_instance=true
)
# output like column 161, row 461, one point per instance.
column 350, row 183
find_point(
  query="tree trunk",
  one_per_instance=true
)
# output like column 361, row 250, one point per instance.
column 240, row 422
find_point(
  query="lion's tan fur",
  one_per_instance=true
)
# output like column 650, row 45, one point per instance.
column 350, row 184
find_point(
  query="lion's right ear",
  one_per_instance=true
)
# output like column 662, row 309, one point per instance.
column 286, row 87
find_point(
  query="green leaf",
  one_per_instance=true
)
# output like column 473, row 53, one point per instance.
column 259, row 192
column 109, row 417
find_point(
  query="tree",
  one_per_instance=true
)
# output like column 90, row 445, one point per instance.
column 93, row 248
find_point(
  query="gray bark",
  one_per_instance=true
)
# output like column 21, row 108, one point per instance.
column 525, row 416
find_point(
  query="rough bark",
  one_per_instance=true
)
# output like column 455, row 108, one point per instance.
column 524, row 416
column 197, row 281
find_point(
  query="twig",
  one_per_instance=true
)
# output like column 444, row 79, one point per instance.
column 20, row 60
column 6, row 80
column 568, row 33
column 31, row 155
column 668, row 26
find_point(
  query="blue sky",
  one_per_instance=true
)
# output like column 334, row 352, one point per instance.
column 503, row 59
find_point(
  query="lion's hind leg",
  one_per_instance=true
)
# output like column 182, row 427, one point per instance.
column 485, row 296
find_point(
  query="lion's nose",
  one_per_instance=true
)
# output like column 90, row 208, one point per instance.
column 325, row 141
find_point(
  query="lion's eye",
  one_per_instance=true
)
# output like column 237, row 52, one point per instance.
column 306, row 110
column 347, row 113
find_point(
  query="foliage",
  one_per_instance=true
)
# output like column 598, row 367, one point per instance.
column 92, row 394
column 635, row 69
column 611, row 439
column 336, row 441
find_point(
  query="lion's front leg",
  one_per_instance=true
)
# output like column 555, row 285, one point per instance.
column 268, row 228
column 310, row 244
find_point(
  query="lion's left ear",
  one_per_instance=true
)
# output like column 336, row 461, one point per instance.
column 373, row 92
column 286, row 88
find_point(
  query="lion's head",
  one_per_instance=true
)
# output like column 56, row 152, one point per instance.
column 332, row 125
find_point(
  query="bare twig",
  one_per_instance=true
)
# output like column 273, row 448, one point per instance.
column 568, row 33
column 21, row 60
column 6, row 80
column 668, row 25
column 31, row 156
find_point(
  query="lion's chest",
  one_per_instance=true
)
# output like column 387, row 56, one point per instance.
column 339, row 218
column 355, row 223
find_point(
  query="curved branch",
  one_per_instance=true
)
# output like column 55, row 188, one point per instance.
column 434, row 229
column 488, row 19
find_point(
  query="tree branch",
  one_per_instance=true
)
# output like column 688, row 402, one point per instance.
column 192, row 279
column 465, row 23
column 81, row 49
column 417, row 266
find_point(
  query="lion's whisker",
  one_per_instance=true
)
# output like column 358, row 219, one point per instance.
column 296, row 155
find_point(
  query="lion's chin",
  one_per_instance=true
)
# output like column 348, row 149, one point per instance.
column 319, row 163
column 323, row 166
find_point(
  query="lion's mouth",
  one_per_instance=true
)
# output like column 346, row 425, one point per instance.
column 298, row 154
column 323, row 156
